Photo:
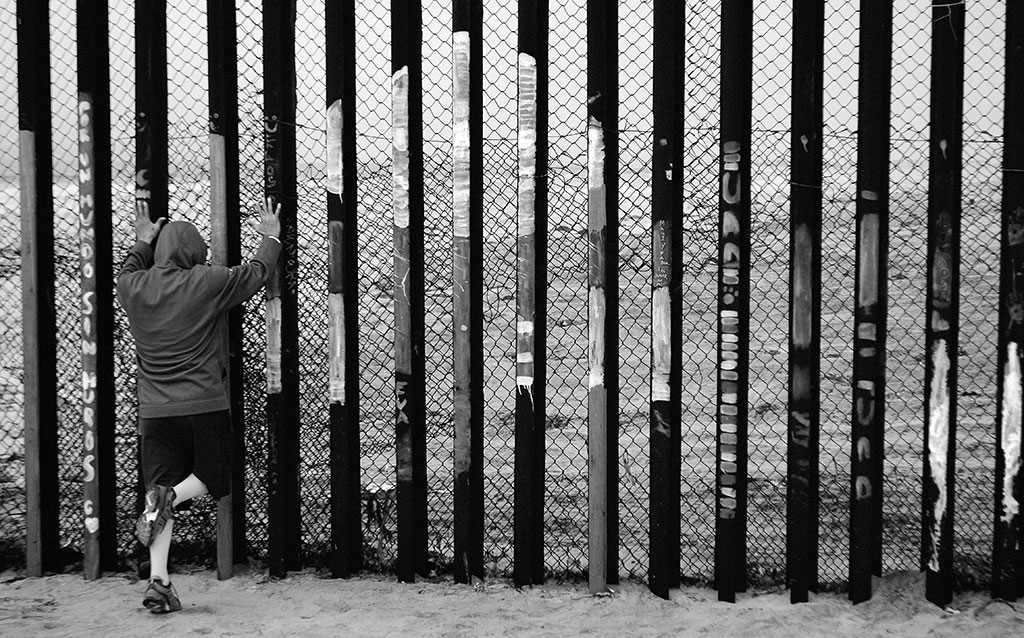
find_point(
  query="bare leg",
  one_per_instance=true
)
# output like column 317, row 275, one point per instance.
column 160, row 549
column 190, row 487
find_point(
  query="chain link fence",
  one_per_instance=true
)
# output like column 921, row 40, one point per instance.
column 566, row 493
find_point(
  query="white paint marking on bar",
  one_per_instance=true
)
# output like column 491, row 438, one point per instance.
column 662, row 344
column 527, row 144
column 400, row 146
column 597, row 315
column 524, row 327
column 336, row 372
column 460, row 134
column 335, row 121
column 1010, row 439
column 273, row 369
column 938, row 442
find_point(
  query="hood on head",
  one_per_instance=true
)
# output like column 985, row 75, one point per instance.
column 181, row 245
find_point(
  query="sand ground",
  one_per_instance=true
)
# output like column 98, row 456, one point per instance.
column 305, row 604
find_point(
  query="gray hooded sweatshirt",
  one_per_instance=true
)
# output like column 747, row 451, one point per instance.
column 176, row 307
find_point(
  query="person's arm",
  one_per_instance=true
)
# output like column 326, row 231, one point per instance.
column 140, row 257
column 239, row 283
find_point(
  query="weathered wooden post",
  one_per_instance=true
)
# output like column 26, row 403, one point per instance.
column 225, row 250
column 407, row 171
column 467, row 288
column 99, row 544
column 39, row 323
column 284, row 519
column 733, row 301
column 666, row 297
column 343, row 289
column 603, row 318
column 1008, row 542
column 943, row 292
column 804, row 300
column 531, row 295
column 870, row 298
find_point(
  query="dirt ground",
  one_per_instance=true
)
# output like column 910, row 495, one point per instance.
column 305, row 604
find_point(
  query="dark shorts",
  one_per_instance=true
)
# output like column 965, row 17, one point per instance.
column 171, row 448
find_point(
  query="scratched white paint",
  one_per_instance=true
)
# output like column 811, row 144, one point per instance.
column 938, row 441
column 527, row 144
column 460, row 133
column 597, row 315
column 661, row 335
column 595, row 155
column 273, row 345
column 869, row 237
column 1010, row 441
column 400, row 146
column 524, row 327
column 335, row 121
column 336, row 373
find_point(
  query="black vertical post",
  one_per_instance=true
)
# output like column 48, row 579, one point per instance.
column 1008, row 540
column 531, row 295
column 151, row 105
column 733, row 300
column 39, row 324
column 285, row 529
column 407, row 167
column 943, row 292
column 870, row 298
column 225, row 250
column 603, row 403
column 343, row 288
column 467, row 291
column 804, row 300
column 666, row 295
column 97, row 276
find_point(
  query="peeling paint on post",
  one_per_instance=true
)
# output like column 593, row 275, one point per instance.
column 1008, row 537
column 531, row 295
column 942, row 309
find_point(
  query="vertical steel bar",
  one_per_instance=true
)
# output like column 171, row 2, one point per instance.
column 733, row 300
column 37, row 285
column 284, row 520
column 943, row 292
column 804, row 300
column 531, row 295
column 1008, row 539
column 867, row 441
column 225, row 250
column 467, row 289
column 97, row 281
column 151, row 105
column 602, row 170
column 342, row 288
column 666, row 297
column 407, row 168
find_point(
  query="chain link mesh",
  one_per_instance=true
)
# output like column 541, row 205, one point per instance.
column 566, row 494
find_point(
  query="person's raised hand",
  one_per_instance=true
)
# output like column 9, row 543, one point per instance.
column 146, row 229
column 270, row 219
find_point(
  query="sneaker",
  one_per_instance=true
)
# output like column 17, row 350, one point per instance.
column 159, row 510
column 161, row 598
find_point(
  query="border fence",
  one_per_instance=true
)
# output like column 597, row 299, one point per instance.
column 714, row 292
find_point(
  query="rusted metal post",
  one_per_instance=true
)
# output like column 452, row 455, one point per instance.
column 407, row 170
column 943, row 292
column 39, row 322
column 467, row 289
column 1008, row 541
column 225, row 250
column 733, row 301
column 867, row 441
column 804, row 300
column 284, row 517
column 343, row 289
column 603, row 318
column 99, row 541
column 666, row 297
column 531, row 296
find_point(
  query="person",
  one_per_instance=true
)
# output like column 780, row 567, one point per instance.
column 177, row 306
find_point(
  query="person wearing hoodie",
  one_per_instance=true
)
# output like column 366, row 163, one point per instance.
column 177, row 309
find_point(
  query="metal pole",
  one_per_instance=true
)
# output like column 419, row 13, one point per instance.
column 285, row 529
column 407, row 167
column 1008, row 542
column 39, row 327
column 804, row 300
column 342, row 288
column 531, row 296
column 733, row 300
column 467, row 289
column 97, row 280
column 666, row 303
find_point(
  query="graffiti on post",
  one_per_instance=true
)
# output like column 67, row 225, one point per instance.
column 729, row 329
column 87, row 244
column 526, row 226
